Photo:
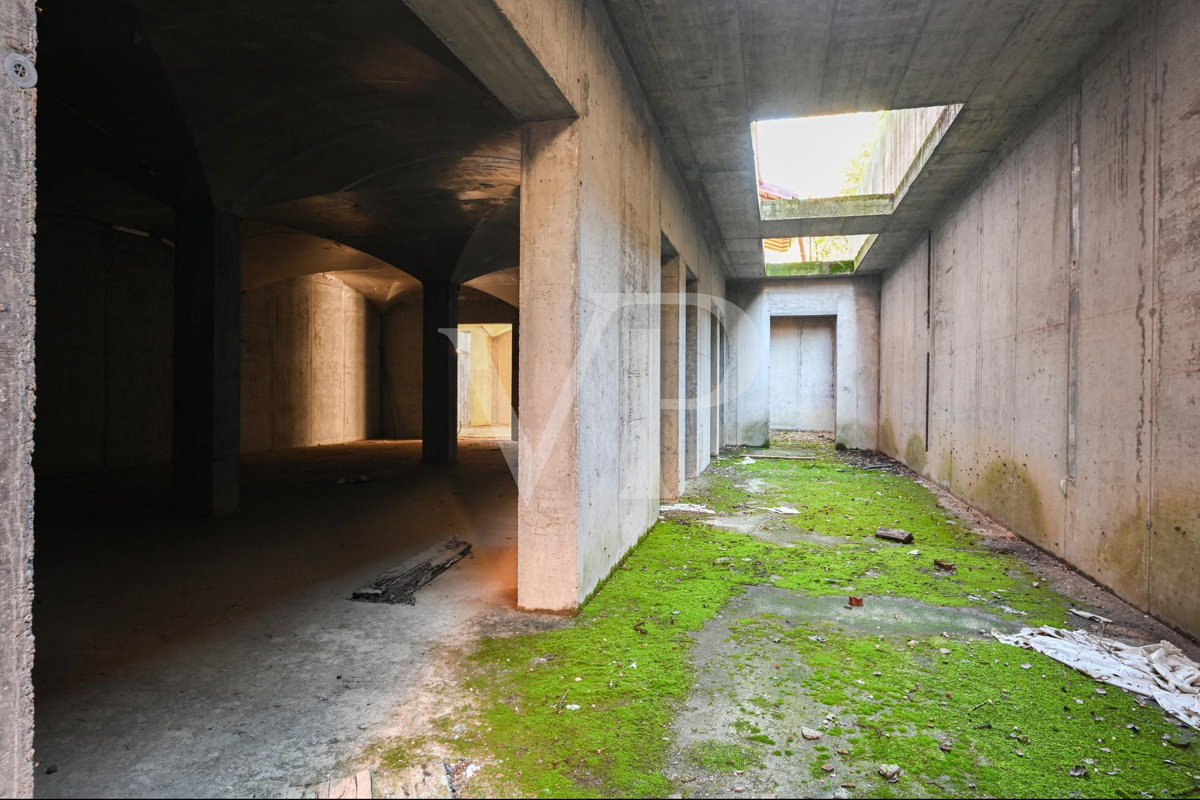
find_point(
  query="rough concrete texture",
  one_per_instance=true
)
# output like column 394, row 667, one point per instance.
column 855, row 304
column 310, row 365
column 1017, row 383
column 672, row 378
column 597, row 195
column 709, row 72
column 16, row 412
column 105, row 382
column 236, row 664
column 803, row 373
column 400, row 355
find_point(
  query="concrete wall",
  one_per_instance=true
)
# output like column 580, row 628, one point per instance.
column 1064, row 382
column 401, row 370
column 803, row 373
column 597, row 194
column 16, row 414
column 106, row 307
column 310, row 365
column 855, row 304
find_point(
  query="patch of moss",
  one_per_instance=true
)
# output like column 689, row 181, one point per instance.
column 717, row 756
column 972, row 722
column 586, row 709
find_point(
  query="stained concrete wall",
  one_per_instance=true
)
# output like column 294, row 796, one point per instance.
column 803, row 373
column 104, row 344
column 597, row 194
column 17, row 20
column 1064, row 385
column 400, row 365
column 855, row 304
column 310, row 365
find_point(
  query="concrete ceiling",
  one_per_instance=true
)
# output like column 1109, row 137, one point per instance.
column 710, row 69
column 346, row 120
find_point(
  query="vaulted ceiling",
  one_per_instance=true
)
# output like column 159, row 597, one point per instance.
column 348, row 123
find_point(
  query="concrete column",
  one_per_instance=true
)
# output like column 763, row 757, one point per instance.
column 691, row 417
column 672, row 378
column 439, row 387
column 17, row 108
column 208, row 361
column 516, row 383
column 548, row 521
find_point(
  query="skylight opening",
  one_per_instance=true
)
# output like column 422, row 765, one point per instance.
column 813, row 157
column 816, row 173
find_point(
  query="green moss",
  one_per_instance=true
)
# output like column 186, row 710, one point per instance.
column 718, row 756
column 1008, row 731
column 586, row 709
column 914, row 453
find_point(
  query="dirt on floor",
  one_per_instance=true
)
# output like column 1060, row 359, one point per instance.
column 723, row 658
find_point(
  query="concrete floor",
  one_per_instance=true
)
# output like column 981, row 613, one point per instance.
column 222, row 657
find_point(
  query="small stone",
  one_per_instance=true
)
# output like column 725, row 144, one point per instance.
column 1027, row 666
column 810, row 734
column 827, row 767
column 890, row 772
column 1079, row 771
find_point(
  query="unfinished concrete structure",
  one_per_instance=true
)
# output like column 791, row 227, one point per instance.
column 263, row 235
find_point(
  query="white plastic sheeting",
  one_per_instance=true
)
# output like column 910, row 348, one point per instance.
column 1159, row 671
column 691, row 507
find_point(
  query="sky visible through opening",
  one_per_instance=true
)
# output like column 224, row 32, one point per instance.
column 812, row 156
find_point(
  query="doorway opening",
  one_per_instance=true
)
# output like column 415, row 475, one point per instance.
column 803, row 373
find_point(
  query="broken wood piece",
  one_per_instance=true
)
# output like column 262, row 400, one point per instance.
column 945, row 566
column 398, row 585
column 894, row 535
column 1090, row 616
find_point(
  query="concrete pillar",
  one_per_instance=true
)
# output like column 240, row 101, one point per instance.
column 671, row 336
column 16, row 414
column 439, row 387
column 516, row 383
column 691, row 417
column 208, row 361
column 548, row 517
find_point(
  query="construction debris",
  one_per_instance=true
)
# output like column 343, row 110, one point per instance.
column 1159, row 671
column 398, row 585
column 688, row 507
column 894, row 535
column 945, row 566
column 856, row 601
column 1090, row 616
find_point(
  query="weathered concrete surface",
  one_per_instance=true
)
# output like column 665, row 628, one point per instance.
column 205, row 441
column 803, row 373
column 708, row 72
column 672, row 378
column 400, row 355
column 855, row 304
column 1012, row 401
column 17, row 20
column 310, row 365
column 104, row 347
column 250, row 670
column 597, row 195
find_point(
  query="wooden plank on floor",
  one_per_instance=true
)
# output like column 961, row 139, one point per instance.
column 399, row 584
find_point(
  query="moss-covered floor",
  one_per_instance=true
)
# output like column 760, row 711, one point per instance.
column 700, row 665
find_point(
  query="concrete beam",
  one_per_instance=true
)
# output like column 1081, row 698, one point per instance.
column 483, row 36
column 439, row 387
column 208, row 361
column 17, row 20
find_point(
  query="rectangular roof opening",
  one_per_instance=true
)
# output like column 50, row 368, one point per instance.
column 827, row 183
